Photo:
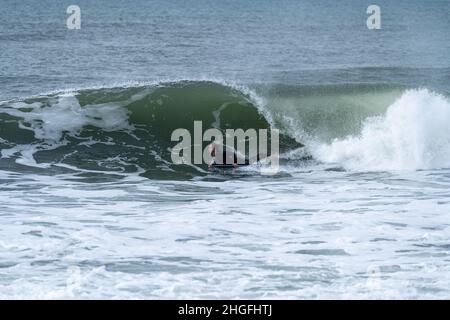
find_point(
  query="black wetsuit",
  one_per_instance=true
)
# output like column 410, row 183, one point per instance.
column 224, row 158
column 235, row 160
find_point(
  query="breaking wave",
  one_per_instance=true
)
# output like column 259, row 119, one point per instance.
column 127, row 129
column 413, row 134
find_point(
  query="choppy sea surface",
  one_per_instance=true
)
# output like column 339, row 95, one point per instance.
column 91, row 205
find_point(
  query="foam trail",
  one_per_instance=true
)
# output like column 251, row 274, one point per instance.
column 413, row 134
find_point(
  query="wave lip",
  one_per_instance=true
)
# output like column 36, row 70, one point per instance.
column 413, row 134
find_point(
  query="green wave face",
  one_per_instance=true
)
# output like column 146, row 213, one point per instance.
column 327, row 112
column 119, row 129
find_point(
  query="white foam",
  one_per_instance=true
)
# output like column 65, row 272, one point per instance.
column 318, row 235
column 413, row 134
column 64, row 115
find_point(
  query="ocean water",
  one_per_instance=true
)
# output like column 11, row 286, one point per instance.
column 91, row 205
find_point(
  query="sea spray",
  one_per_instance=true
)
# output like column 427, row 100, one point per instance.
column 413, row 134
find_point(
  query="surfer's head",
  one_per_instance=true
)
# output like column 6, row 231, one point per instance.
column 212, row 149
